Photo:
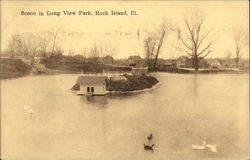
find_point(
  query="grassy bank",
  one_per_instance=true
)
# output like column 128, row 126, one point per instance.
column 215, row 71
column 131, row 84
column 170, row 70
column 73, row 64
column 201, row 71
column 12, row 68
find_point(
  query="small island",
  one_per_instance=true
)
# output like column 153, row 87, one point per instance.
column 114, row 85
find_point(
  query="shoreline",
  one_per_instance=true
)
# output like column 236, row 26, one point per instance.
column 120, row 93
column 18, row 74
column 201, row 71
column 132, row 84
column 58, row 72
column 16, row 68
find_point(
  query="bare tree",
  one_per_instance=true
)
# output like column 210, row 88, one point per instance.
column 241, row 40
column 101, row 52
column 12, row 46
column 153, row 43
column 15, row 46
column 84, row 53
column 54, row 33
column 162, row 33
column 194, row 38
column 109, row 51
column 150, row 44
column 30, row 44
column 44, row 41
column 94, row 53
column 138, row 34
column 26, row 44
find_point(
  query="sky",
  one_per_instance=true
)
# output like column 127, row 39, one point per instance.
column 80, row 32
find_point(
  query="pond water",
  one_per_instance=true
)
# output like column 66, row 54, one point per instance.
column 186, row 109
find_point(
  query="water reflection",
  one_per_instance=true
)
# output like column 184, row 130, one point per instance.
column 186, row 109
column 195, row 85
column 96, row 100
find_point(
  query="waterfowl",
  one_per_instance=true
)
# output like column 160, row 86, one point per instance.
column 212, row 147
column 30, row 111
column 150, row 137
column 199, row 147
column 148, row 147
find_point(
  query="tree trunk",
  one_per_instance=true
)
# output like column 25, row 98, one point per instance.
column 196, row 63
column 196, row 68
column 237, row 62
column 237, row 59
column 155, row 62
column 148, row 59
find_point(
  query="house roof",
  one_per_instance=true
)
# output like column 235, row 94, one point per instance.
column 213, row 61
column 182, row 58
column 108, row 57
column 91, row 80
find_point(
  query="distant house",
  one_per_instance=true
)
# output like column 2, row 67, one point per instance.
column 134, row 61
column 244, row 64
column 228, row 63
column 183, row 62
column 169, row 64
column 215, row 63
column 203, row 63
column 108, row 60
column 94, row 85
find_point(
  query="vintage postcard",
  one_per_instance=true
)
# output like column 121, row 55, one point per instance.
column 124, row 80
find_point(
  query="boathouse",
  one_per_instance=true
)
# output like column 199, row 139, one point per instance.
column 94, row 85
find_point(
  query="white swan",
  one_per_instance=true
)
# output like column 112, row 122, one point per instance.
column 30, row 111
column 199, row 147
column 26, row 107
column 212, row 147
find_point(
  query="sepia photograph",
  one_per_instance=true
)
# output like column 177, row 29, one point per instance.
column 139, row 80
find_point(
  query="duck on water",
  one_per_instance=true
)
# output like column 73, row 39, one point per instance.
column 147, row 146
column 150, row 137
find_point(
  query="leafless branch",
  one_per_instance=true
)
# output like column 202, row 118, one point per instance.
column 206, row 48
